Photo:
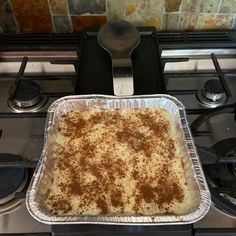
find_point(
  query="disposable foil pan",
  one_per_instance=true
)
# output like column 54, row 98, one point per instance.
column 42, row 178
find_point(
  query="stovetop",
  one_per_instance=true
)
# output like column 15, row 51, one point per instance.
column 186, row 62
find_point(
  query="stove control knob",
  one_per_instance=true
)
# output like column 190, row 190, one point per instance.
column 213, row 90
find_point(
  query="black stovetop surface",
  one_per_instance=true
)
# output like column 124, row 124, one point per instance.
column 105, row 230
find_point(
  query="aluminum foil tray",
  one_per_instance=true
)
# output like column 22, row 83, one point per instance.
column 42, row 178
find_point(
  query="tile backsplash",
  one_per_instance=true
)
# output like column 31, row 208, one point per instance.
column 63, row 16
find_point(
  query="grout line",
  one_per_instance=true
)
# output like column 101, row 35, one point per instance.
column 234, row 20
column 50, row 10
column 180, row 14
column 106, row 6
column 161, row 18
column 14, row 16
column 123, row 10
column 105, row 13
column 198, row 19
column 69, row 17
column 208, row 13
column 181, row 6
column 179, row 21
column 220, row 3
column 59, row 14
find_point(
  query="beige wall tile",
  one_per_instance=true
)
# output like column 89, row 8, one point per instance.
column 153, row 21
column 144, row 12
column 215, row 21
column 210, row 6
column 188, row 21
column 115, row 9
column 136, row 11
column 191, row 5
column 228, row 6
column 170, row 21
column 155, row 8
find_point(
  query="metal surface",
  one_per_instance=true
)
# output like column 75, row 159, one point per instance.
column 23, row 134
column 122, row 76
column 216, row 219
column 42, row 179
column 38, row 55
column 213, row 90
column 213, row 96
column 203, row 97
column 40, row 102
column 20, row 221
column 119, row 38
column 198, row 53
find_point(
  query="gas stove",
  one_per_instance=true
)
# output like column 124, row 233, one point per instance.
column 197, row 68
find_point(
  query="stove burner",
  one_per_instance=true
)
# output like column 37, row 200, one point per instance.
column 222, row 177
column 12, row 180
column 227, row 147
column 212, row 94
column 213, row 90
column 27, row 97
column 27, row 94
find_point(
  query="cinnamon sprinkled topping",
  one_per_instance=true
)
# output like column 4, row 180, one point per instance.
column 61, row 204
column 136, row 140
column 117, row 161
column 102, row 205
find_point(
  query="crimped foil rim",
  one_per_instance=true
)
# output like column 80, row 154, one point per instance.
column 197, row 214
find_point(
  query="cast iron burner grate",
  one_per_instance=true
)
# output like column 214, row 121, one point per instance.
column 221, row 175
column 12, row 180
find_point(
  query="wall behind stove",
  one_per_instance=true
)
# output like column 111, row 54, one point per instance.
column 38, row 16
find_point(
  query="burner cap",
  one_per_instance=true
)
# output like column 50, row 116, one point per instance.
column 27, row 94
column 213, row 90
column 27, row 98
column 213, row 86
column 12, row 179
column 212, row 94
